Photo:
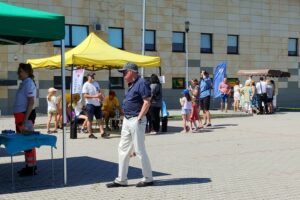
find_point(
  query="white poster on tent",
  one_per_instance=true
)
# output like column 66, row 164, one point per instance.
column 77, row 81
column 162, row 79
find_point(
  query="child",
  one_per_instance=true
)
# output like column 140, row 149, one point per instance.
column 52, row 109
column 186, row 108
column 194, row 114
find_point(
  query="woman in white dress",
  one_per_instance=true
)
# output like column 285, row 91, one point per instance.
column 236, row 96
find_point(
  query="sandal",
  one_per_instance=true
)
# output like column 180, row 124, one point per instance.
column 55, row 131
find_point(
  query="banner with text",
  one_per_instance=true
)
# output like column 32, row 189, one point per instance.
column 77, row 81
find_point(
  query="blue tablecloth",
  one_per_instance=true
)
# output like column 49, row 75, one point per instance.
column 16, row 143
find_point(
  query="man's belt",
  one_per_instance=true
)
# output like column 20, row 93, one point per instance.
column 130, row 116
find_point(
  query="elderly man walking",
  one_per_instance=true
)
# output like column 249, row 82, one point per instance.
column 135, row 106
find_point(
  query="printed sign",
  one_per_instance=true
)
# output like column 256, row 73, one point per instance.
column 77, row 81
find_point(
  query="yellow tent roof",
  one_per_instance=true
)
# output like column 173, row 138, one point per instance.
column 94, row 53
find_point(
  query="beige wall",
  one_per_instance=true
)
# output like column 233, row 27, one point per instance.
column 263, row 26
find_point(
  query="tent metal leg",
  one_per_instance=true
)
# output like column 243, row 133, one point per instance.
column 12, row 173
column 64, row 108
column 52, row 166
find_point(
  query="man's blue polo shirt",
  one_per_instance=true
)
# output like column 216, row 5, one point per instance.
column 134, row 97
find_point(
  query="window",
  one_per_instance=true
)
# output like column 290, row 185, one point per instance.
column 116, row 82
column 115, row 37
column 293, row 47
column 206, row 43
column 74, row 35
column 232, row 44
column 178, row 83
column 178, row 44
column 150, row 40
column 58, row 84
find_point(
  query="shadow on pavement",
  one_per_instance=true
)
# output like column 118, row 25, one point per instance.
column 173, row 129
column 223, row 125
column 81, row 171
column 181, row 181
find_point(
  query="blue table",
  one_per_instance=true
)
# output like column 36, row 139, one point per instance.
column 15, row 143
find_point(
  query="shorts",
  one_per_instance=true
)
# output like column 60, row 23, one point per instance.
column 186, row 111
column 205, row 103
column 269, row 100
column 224, row 98
column 93, row 111
column 52, row 112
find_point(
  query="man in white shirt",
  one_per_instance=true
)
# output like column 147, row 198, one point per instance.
column 261, row 92
column 93, row 97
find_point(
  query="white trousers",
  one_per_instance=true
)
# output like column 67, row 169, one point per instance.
column 133, row 138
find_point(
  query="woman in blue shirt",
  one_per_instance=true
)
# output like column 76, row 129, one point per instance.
column 24, row 113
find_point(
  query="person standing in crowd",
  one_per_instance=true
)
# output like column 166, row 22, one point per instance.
column 205, row 89
column 247, row 94
column 110, row 107
column 135, row 106
column 93, row 96
column 52, row 109
column 236, row 96
column 59, row 111
column 194, row 117
column 270, row 94
column 261, row 92
column 186, row 109
column 194, row 90
column 24, row 112
column 249, row 80
column 253, row 97
column 156, row 102
column 225, row 90
column 274, row 96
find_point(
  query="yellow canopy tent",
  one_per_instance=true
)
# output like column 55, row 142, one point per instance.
column 94, row 54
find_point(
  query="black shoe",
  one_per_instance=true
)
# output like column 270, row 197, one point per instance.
column 144, row 184
column 208, row 125
column 27, row 171
column 105, row 135
column 114, row 184
column 92, row 136
column 27, row 168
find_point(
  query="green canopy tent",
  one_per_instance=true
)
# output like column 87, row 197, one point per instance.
column 25, row 26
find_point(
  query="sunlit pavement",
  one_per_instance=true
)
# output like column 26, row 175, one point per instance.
column 253, row 157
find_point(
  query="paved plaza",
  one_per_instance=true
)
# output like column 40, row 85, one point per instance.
column 254, row 157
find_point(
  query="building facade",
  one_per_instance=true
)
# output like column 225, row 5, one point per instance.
column 247, row 34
